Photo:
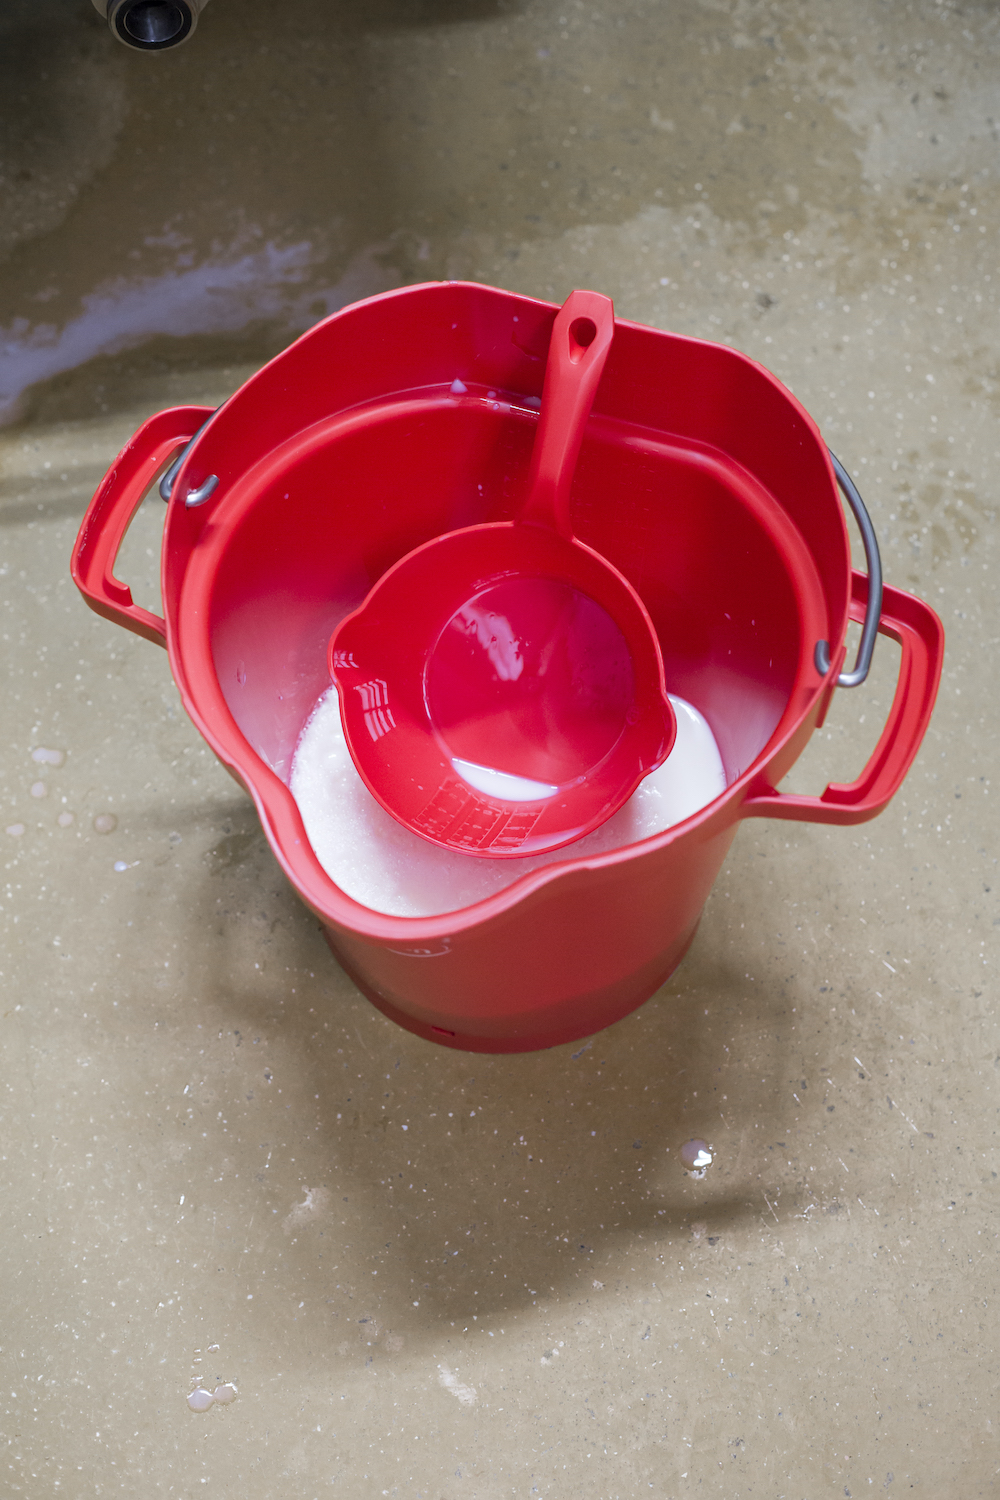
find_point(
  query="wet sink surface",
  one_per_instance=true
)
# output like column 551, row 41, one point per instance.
column 427, row 1273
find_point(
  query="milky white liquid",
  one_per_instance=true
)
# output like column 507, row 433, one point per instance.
column 383, row 865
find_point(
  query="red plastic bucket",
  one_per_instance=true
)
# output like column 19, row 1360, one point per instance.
column 411, row 414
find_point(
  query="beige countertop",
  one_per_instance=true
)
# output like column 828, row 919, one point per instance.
column 429, row 1273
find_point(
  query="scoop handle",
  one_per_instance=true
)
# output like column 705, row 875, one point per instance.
column 578, row 349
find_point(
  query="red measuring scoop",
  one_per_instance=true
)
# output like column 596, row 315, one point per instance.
column 501, row 688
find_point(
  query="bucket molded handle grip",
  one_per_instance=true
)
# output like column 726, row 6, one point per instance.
column 920, row 634
column 109, row 514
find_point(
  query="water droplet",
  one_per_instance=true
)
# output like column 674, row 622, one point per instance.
column 696, row 1156
column 66, row 819
column 200, row 1400
column 43, row 757
column 105, row 823
column 15, row 830
column 39, row 789
column 225, row 1393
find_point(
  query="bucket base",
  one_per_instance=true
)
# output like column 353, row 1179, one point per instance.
column 585, row 1015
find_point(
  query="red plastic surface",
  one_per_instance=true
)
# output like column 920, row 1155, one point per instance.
column 920, row 634
column 112, row 508
column 507, row 697
column 501, row 688
column 701, row 479
column 579, row 345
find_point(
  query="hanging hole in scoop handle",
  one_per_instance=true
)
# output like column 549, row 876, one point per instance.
column 582, row 333
column 578, row 348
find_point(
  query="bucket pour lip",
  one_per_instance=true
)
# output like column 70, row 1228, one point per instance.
column 189, row 557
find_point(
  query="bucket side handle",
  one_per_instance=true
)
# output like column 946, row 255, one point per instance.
column 109, row 515
column 920, row 634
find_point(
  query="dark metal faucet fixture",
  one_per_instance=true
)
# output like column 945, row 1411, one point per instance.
column 151, row 25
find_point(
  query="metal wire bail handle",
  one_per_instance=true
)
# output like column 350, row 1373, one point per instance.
column 201, row 494
column 873, row 611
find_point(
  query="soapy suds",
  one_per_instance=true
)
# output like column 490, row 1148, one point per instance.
column 493, row 783
column 314, row 1205
column 201, row 1399
column 465, row 1394
column 381, row 864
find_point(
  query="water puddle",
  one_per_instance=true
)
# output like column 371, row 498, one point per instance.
column 227, row 293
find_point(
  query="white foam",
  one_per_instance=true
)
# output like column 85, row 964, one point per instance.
column 502, row 784
column 378, row 862
column 466, row 1394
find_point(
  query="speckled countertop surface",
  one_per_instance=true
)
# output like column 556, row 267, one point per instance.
column 427, row 1273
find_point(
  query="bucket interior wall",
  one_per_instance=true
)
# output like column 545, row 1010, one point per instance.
column 713, row 556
